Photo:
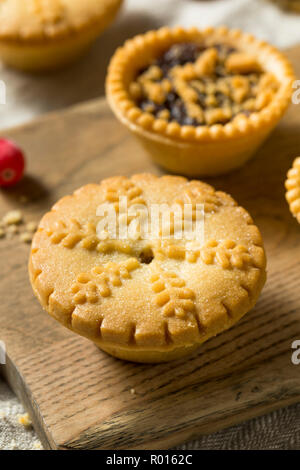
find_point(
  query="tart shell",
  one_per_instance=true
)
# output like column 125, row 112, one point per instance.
column 201, row 150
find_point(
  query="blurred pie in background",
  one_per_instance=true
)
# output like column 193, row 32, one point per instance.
column 37, row 35
column 293, row 5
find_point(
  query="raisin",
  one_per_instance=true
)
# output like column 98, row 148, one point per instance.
column 221, row 98
column 188, row 121
column 202, row 99
column 171, row 98
column 178, row 112
column 179, row 54
column 245, row 112
column 220, row 71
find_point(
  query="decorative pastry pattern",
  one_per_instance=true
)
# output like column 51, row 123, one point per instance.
column 151, row 300
column 73, row 233
column 199, row 194
column 124, row 187
column 292, row 185
column 99, row 282
column 120, row 190
column 172, row 295
column 226, row 253
column 69, row 234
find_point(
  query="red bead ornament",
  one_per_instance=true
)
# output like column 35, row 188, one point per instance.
column 12, row 163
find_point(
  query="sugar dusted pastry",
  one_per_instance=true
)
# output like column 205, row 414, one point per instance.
column 292, row 186
column 147, row 298
column 201, row 102
column 37, row 35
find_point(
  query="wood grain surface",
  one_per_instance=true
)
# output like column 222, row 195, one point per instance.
column 79, row 397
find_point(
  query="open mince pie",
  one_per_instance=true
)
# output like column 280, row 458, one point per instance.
column 198, row 85
column 147, row 298
column 200, row 101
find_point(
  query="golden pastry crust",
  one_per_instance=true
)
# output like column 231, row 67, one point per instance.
column 292, row 186
column 35, row 21
column 143, row 49
column 147, row 300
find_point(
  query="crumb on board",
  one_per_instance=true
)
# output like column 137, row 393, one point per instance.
column 31, row 226
column 26, row 237
column 13, row 223
column 12, row 229
column 25, row 420
column 13, row 217
column 132, row 391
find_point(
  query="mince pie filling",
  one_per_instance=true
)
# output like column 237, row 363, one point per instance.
column 196, row 85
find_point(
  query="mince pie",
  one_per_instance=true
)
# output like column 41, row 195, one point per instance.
column 200, row 101
column 39, row 35
column 148, row 296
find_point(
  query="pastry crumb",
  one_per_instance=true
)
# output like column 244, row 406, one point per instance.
column 26, row 237
column 31, row 226
column 13, row 223
column 25, row 420
column 12, row 229
column 13, row 217
column 132, row 391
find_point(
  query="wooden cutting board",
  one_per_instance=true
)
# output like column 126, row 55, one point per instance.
column 79, row 397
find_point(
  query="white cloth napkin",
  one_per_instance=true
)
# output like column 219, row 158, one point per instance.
column 29, row 96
